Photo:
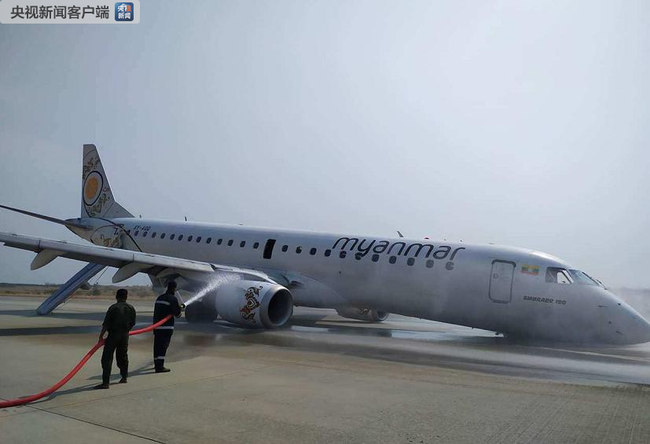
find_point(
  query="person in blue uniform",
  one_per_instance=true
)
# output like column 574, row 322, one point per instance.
column 119, row 320
column 166, row 304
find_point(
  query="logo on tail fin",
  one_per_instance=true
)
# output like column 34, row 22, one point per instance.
column 96, row 196
column 94, row 193
column 92, row 187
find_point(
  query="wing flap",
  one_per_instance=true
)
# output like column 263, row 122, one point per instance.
column 45, row 257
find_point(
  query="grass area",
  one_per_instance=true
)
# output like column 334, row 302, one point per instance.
column 95, row 292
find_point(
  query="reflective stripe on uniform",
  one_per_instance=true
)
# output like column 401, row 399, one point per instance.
column 162, row 302
column 165, row 327
column 157, row 358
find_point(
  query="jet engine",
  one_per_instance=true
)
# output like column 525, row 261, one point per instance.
column 363, row 314
column 254, row 304
column 201, row 311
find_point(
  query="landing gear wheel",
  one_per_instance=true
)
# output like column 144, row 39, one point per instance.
column 200, row 312
column 380, row 316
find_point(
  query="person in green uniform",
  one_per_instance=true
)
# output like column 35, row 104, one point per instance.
column 119, row 320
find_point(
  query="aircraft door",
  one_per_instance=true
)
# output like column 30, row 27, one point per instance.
column 268, row 248
column 501, row 281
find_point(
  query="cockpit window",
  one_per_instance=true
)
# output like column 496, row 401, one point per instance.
column 558, row 276
column 583, row 278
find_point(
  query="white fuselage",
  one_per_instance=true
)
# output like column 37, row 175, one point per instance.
column 497, row 288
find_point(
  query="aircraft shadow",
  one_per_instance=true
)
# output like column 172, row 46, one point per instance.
column 314, row 322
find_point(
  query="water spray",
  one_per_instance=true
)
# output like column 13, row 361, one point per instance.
column 217, row 281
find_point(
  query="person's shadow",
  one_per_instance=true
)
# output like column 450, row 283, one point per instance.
column 147, row 369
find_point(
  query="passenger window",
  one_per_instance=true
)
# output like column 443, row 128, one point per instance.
column 198, row 239
column 209, row 240
column 172, row 237
column 136, row 233
column 558, row 276
column 285, row 248
column 410, row 261
column 375, row 258
column 128, row 231
column 392, row 259
column 153, row 235
column 230, row 242
column 189, row 239
column 342, row 254
column 144, row 233
column 430, row 263
column 242, row 244
column 256, row 245
column 327, row 253
column 162, row 236
column 180, row 237
column 358, row 256
column 312, row 251
column 220, row 241
column 298, row 250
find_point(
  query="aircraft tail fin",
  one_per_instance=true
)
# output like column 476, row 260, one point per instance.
column 96, row 196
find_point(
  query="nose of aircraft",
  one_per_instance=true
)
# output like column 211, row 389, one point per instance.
column 636, row 328
column 629, row 325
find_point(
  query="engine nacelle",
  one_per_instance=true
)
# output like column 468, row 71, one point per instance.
column 363, row 314
column 254, row 304
column 200, row 311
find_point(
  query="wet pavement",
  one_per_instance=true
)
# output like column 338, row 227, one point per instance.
column 321, row 379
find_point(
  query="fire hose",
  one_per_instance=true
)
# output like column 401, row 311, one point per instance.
column 75, row 370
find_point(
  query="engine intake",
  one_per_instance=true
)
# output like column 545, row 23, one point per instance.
column 254, row 304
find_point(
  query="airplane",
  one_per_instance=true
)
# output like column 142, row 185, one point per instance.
column 253, row 277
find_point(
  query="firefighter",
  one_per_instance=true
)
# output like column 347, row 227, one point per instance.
column 166, row 304
column 119, row 320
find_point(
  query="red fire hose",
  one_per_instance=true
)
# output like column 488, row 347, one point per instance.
column 61, row 383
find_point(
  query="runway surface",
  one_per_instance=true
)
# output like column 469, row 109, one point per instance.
column 323, row 379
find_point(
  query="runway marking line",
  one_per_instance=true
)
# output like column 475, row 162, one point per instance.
column 100, row 425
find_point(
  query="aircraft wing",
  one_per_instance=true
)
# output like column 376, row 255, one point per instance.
column 128, row 262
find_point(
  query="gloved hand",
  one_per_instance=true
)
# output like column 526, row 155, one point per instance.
column 180, row 300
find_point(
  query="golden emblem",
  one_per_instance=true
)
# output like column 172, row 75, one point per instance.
column 248, row 310
column 92, row 186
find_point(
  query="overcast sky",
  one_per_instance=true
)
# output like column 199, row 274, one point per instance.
column 519, row 123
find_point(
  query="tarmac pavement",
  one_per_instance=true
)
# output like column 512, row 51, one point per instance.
column 323, row 379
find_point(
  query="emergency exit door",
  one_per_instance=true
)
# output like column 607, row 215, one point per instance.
column 501, row 281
